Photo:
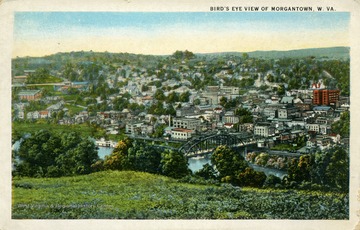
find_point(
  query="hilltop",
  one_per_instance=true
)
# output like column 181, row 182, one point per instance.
column 137, row 195
column 327, row 53
column 330, row 52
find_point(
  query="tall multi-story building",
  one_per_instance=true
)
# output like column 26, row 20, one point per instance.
column 325, row 96
column 330, row 96
column 317, row 96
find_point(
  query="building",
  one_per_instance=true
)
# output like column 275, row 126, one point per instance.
column 181, row 134
column 33, row 115
column 229, row 90
column 330, row 96
column 246, row 127
column 186, row 123
column 29, row 95
column 313, row 127
column 230, row 117
column 303, row 106
column 317, row 97
column 264, row 130
column 287, row 100
column 185, row 111
column 134, row 127
column 44, row 114
column 323, row 110
column 270, row 112
column 325, row 96
column 19, row 79
column 287, row 112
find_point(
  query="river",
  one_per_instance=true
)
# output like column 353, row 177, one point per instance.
column 104, row 151
column 196, row 164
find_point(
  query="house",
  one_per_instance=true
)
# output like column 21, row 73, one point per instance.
column 323, row 142
column 81, row 118
column 44, row 114
column 324, row 128
column 19, row 79
column 33, row 115
column 303, row 106
column 182, row 89
column 311, row 143
column 323, row 110
column 147, row 129
column 133, row 128
column 246, row 127
column 287, row 100
column 270, row 112
column 20, row 115
column 313, row 127
column 56, row 107
column 336, row 138
column 228, row 125
column 287, row 112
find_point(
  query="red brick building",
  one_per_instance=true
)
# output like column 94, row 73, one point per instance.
column 325, row 96
column 29, row 95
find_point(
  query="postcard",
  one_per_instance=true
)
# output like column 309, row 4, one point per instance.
column 179, row 115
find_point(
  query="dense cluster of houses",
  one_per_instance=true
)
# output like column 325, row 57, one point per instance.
column 304, row 112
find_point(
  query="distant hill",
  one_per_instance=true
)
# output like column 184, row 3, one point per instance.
column 331, row 53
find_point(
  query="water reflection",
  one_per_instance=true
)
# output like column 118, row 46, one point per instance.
column 196, row 163
column 104, row 151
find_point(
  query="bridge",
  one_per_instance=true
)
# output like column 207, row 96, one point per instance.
column 204, row 143
column 207, row 143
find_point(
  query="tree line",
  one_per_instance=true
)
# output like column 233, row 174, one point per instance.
column 47, row 154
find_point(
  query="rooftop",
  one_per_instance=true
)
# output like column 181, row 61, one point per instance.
column 28, row 92
column 183, row 130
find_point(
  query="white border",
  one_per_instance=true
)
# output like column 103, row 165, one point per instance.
column 6, row 21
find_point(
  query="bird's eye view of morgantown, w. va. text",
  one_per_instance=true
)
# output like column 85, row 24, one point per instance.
column 180, row 115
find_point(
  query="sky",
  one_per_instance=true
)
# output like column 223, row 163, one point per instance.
column 159, row 33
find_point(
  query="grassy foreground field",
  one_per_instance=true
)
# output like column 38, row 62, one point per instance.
column 134, row 195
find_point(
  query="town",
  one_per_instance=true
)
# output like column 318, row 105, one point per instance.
column 183, row 96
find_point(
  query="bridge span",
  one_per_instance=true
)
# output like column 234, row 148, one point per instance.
column 203, row 144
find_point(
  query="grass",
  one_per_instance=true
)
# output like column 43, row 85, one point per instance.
column 23, row 127
column 117, row 137
column 73, row 109
column 286, row 147
column 135, row 195
column 70, row 97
